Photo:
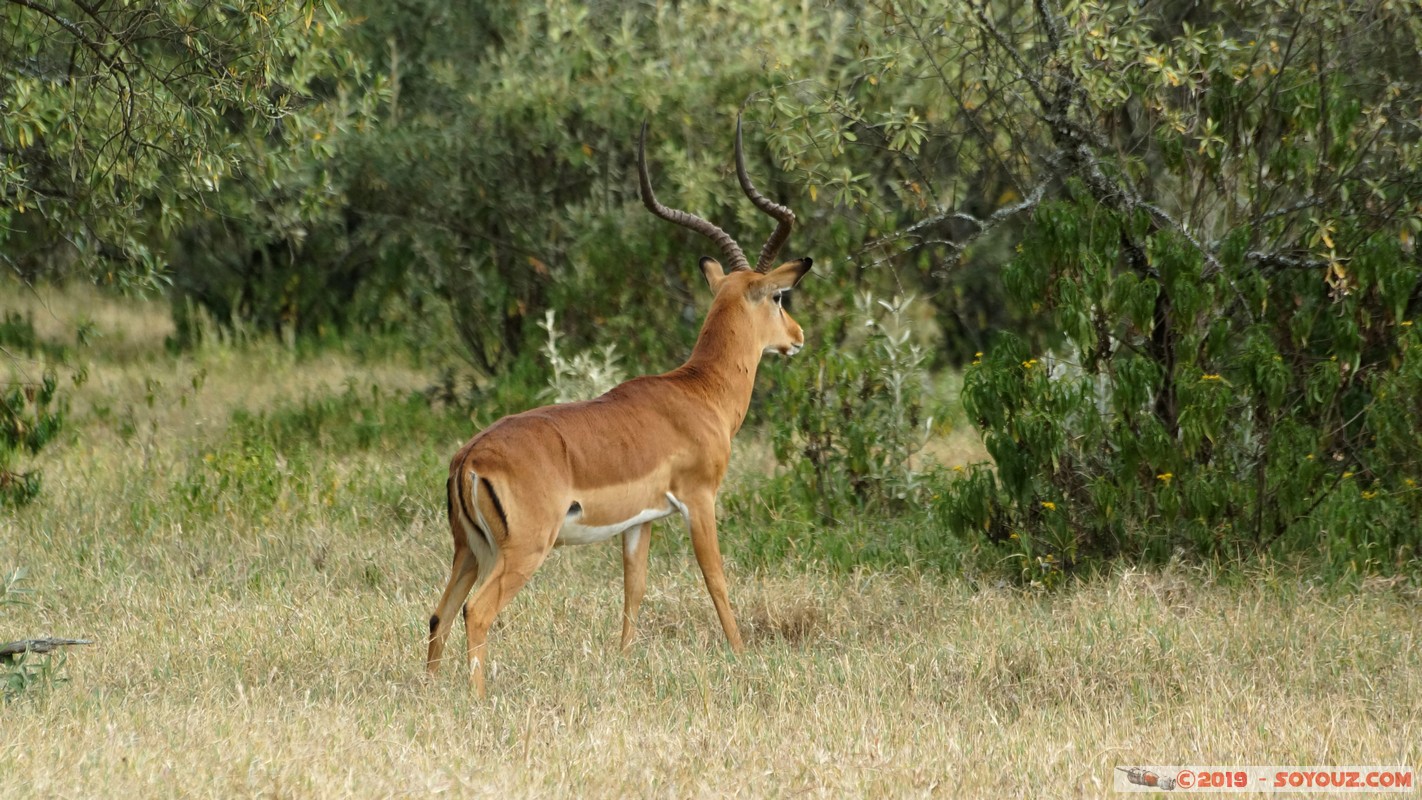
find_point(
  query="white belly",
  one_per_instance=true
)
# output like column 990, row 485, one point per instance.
column 574, row 532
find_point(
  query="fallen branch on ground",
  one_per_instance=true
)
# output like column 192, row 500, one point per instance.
column 11, row 650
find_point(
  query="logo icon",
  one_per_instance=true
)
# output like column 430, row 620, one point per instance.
column 1141, row 776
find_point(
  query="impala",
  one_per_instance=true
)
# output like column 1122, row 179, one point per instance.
column 581, row 473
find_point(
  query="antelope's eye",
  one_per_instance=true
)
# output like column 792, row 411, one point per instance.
column 782, row 298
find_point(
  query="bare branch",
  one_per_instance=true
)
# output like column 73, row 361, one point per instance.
column 12, row 649
column 1053, row 24
column 1306, row 203
column 983, row 226
column 1284, row 261
column 1029, row 74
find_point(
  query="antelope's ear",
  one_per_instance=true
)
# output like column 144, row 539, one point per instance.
column 785, row 276
column 715, row 275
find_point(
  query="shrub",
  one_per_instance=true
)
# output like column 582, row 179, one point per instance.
column 1221, row 415
column 1216, row 240
column 31, row 415
column 582, row 376
column 849, row 422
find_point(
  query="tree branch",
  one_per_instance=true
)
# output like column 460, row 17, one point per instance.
column 983, row 226
column 1283, row 261
column 10, row 650
column 78, row 32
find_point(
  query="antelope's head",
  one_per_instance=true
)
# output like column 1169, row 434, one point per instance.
column 760, row 295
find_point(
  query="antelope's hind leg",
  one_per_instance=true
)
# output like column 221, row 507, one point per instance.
column 513, row 566
column 462, row 577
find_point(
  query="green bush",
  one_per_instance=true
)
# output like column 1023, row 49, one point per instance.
column 247, row 480
column 1245, row 416
column 580, row 376
column 848, row 420
column 1216, row 244
column 31, row 415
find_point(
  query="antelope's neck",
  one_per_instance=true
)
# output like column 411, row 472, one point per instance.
column 722, row 366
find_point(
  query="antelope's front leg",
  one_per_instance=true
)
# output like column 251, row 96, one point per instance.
column 635, row 546
column 702, row 520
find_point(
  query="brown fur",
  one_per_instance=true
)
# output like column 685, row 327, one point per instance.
column 613, row 457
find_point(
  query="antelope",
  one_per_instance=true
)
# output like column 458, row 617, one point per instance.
column 584, row 472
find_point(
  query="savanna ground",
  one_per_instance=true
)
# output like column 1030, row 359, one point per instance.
column 259, row 611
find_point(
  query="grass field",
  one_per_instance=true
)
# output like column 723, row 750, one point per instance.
column 259, row 616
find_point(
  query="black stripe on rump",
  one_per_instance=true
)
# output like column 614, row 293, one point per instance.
column 449, row 498
column 499, row 507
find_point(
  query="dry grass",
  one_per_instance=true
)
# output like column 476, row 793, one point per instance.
column 133, row 385
column 126, row 328
column 277, row 652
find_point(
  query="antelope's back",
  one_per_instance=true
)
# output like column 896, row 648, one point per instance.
column 630, row 434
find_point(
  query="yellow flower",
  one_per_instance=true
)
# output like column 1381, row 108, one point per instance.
column 1213, row 376
column 1050, row 506
column 1308, row 457
column 1029, row 364
column 1165, row 477
column 957, row 467
column 1347, row 475
column 1407, row 323
column 1369, row 495
column 1411, row 484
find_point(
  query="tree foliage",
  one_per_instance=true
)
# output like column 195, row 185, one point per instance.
column 1224, row 241
column 126, row 123
column 505, row 177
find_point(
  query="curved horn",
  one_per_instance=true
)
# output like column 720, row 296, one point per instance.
column 781, row 213
column 732, row 251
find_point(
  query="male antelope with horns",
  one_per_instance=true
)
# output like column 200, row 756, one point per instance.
column 580, row 473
